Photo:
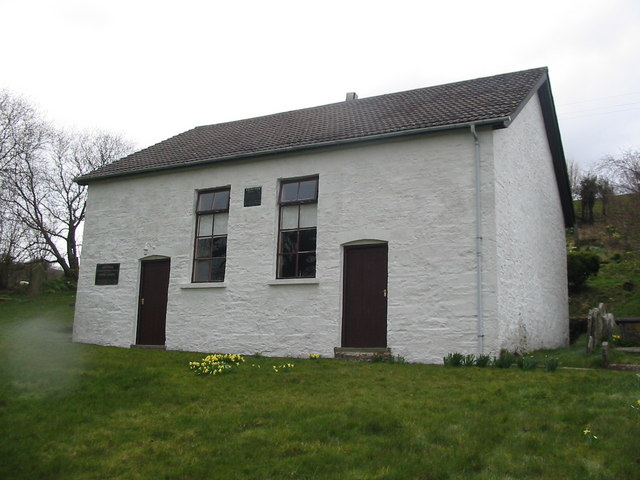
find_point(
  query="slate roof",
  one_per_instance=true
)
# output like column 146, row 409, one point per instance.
column 491, row 100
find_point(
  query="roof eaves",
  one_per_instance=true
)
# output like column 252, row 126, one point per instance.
column 498, row 122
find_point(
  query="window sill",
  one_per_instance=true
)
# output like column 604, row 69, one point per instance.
column 294, row 281
column 189, row 286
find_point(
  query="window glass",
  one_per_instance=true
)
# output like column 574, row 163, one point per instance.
column 219, row 247
column 307, row 240
column 201, row 271
column 221, row 201
column 205, row 201
column 297, row 228
column 220, row 224
column 205, row 225
column 218, row 267
column 289, row 192
column 307, row 190
column 289, row 217
column 287, row 266
column 308, row 215
column 210, row 246
column 307, row 265
column 289, row 242
column 203, row 247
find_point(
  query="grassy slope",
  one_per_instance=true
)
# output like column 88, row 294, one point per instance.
column 84, row 412
column 607, row 286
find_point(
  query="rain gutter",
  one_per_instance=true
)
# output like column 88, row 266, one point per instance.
column 498, row 122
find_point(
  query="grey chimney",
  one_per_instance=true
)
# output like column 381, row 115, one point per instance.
column 351, row 96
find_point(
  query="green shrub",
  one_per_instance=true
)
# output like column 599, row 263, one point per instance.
column 397, row 359
column 380, row 358
column 504, row 360
column 60, row 284
column 469, row 360
column 551, row 364
column 483, row 361
column 453, row 360
column 527, row 363
column 580, row 266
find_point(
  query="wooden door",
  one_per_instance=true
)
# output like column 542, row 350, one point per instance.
column 152, row 304
column 364, row 310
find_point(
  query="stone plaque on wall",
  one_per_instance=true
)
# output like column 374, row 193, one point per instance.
column 107, row 273
column 252, row 196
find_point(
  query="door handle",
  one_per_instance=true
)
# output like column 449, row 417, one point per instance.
column 384, row 293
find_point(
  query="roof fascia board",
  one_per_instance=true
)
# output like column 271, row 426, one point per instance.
column 499, row 122
column 543, row 78
column 557, row 152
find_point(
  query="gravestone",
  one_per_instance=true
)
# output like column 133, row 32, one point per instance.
column 600, row 325
column 36, row 284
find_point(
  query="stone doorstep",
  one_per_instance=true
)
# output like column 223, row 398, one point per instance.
column 362, row 354
column 149, row 347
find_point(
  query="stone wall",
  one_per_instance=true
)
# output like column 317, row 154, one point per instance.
column 532, row 291
column 416, row 194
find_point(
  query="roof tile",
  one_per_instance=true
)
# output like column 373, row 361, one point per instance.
column 481, row 100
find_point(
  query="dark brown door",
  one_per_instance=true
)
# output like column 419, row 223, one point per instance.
column 152, row 305
column 364, row 311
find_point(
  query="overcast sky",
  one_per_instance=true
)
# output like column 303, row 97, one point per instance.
column 152, row 69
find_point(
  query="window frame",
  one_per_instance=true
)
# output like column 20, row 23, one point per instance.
column 299, row 203
column 199, row 214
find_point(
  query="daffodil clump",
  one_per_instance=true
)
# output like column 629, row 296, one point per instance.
column 314, row 356
column 285, row 367
column 216, row 364
column 590, row 436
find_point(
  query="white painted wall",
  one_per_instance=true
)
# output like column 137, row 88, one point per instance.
column 532, row 296
column 416, row 194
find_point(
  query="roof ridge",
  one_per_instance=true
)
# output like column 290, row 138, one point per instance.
column 361, row 99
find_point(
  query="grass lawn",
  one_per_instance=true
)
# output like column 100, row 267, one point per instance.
column 84, row 412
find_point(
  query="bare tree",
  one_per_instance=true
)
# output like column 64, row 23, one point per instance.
column 605, row 193
column 23, row 133
column 22, row 129
column 11, row 238
column 72, row 155
column 47, row 200
column 624, row 170
column 624, row 213
column 38, row 191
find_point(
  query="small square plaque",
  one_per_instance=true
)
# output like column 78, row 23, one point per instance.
column 252, row 196
column 107, row 273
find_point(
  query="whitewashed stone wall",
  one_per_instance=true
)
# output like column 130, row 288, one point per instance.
column 532, row 298
column 416, row 193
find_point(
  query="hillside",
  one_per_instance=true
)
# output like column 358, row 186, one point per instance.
column 615, row 237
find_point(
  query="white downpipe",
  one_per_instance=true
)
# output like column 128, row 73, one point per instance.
column 479, row 296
